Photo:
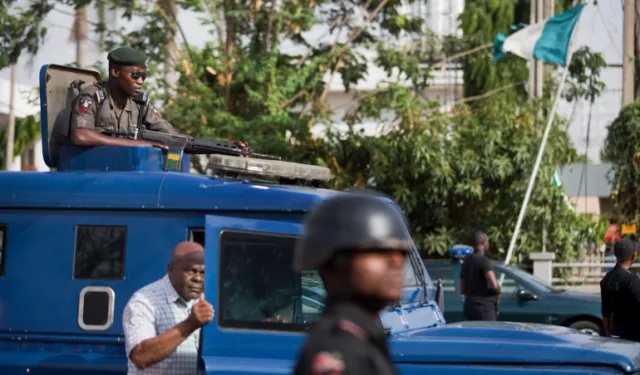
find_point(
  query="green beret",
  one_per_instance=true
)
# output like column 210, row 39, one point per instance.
column 127, row 56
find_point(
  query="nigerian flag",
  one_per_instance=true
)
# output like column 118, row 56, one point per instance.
column 547, row 41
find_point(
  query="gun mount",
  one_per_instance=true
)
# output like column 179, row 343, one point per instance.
column 57, row 85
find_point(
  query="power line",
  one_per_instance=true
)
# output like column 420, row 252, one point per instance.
column 611, row 39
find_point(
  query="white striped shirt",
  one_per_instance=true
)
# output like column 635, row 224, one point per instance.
column 151, row 311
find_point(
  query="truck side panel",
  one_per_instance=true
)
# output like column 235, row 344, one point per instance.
column 50, row 257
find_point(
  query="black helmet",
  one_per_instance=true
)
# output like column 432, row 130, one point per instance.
column 352, row 222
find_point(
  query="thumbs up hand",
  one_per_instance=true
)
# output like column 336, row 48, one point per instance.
column 202, row 312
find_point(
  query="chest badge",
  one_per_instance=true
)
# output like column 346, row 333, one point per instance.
column 327, row 363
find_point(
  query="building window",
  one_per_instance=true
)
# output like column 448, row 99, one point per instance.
column 259, row 289
column 197, row 235
column 3, row 247
column 100, row 252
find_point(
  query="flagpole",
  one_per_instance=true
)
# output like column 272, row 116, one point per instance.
column 547, row 130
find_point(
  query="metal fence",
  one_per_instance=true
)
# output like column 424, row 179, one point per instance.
column 587, row 271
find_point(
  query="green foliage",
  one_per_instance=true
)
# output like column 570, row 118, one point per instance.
column 21, row 29
column 585, row 68
column 465, row 172
column 27, row 129
column 622, row 149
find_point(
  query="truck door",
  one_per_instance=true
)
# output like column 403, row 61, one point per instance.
column 259, row 323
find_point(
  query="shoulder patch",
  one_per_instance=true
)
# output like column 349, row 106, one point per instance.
column 327, row 363
column 156, row 112
column 84, row 103
column 100, row 96
column 352, row 328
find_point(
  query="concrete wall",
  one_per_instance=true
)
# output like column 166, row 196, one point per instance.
column 597, row 206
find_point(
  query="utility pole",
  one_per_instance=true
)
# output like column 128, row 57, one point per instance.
column 79, row 36
column 533, row 18
column 538, row 12
column 11, row 126
column 628, row 50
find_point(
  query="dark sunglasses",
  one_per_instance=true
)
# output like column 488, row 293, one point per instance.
column 138, row 75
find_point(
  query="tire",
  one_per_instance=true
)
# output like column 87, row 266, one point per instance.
column 587, row 326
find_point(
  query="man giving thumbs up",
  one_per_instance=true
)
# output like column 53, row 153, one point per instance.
column 163, row 320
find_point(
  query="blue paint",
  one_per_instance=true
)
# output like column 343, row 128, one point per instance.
column 114, row 159
column 413, row 296
column 39, row 297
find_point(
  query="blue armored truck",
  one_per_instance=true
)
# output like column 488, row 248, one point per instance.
column 78, row 241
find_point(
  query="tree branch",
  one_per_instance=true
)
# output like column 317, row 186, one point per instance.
column 461, row 54
column 354, row 34
column 228, row 52
column 292, row 99
column 269, row 30
column 215, row 14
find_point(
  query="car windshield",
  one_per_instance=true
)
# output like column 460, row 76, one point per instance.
column 532, row 279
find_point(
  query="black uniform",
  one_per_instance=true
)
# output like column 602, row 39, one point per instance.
column 620, row 291
column 480, row 302
column 348, row 340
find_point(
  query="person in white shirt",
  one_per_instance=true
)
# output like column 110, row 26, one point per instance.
column 162, row 321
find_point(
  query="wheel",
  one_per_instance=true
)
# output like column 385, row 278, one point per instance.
column 587, row 326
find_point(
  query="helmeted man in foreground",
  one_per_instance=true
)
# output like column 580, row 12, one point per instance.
column 358, row 243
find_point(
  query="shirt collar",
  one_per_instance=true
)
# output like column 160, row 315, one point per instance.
column 355, row 314
column 128, row 106
column 172, row 295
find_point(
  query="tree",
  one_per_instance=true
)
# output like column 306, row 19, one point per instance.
column 21, row 29
column 465, row 172
column 622, row 149
column 27, row 129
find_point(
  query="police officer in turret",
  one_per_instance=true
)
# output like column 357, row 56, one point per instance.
column 620, row 293
column 358, row 242
column 116, row 104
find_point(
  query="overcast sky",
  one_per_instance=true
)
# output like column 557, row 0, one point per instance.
column 600, row 29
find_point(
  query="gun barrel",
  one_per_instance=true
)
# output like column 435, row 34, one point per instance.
column 226, row 148
column 192, row 145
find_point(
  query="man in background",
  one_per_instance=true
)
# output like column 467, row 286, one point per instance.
column 620, row 294
column 478, row 283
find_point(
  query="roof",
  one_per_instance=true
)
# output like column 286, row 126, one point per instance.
column 595, row 182
column 150, row 190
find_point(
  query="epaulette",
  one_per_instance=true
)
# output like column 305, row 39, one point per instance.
column 95, row 90
column 100, row 96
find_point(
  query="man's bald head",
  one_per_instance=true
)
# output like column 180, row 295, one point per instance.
column 186, row 250
column 186, row 269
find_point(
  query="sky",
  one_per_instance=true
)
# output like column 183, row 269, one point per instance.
column 600, row 29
